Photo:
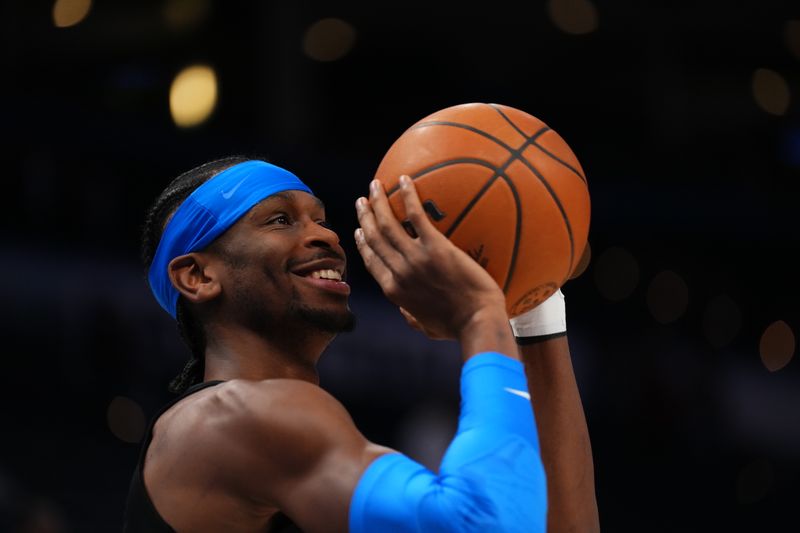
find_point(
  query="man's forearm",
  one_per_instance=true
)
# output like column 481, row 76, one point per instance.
column 488, row 331
column 564, row 437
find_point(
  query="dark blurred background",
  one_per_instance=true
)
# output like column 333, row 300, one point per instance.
column 685, row 117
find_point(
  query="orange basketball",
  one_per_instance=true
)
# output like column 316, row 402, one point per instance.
column 502, row 186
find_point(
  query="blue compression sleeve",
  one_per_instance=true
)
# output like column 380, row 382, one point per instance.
column 491, row 477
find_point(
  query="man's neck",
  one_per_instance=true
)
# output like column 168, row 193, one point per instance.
column 240, row 353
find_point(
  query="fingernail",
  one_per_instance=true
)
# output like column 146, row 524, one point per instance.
column 359, row 235
column 404, row 180
column 374, row 186
column 360, row 203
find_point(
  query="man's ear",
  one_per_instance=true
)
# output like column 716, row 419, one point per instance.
column 194, row 278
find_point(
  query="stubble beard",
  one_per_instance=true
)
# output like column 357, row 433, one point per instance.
column 324, row 320
column 296, row 314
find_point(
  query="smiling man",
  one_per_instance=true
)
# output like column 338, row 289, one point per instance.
column 240, row 253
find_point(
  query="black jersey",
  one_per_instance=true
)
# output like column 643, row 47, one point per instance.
column 141, row 515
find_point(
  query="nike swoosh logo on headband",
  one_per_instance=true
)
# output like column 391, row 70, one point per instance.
column 520, row 393
column 227, row 195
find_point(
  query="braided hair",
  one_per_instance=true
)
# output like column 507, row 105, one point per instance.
column 190, row 329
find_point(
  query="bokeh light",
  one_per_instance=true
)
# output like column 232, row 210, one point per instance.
column 43, row 516
column 616, row 273
column 722, row 321
column 791, row 35
column 70, row 12
column 770, row 91
column 583, row 263
column 576, row 17
column 667, row 297
column 754, row 481
column 182, row 15
column 126, row 419
column 193, row 96
column 329, row 39
column 777, row 346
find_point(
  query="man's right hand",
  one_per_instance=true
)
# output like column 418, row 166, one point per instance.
column 443, row 288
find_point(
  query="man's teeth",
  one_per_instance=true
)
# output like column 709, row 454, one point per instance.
column 326, row 274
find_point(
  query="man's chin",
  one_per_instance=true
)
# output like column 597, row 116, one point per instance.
column 327, row 320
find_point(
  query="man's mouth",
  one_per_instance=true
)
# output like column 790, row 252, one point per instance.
column 326, row 274
column 325, row 268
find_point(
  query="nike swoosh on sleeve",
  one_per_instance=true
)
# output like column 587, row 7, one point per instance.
column 520, row 393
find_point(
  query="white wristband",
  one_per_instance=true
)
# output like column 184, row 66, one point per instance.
column 546, row 319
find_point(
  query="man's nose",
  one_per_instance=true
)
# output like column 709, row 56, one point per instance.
column 320, row 236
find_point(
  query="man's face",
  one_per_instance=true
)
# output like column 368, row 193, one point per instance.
column 283, row 266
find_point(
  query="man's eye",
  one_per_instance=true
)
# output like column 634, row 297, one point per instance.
column 280, row 219
column 325, row 224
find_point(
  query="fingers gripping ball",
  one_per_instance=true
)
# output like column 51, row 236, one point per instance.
column 503, row 187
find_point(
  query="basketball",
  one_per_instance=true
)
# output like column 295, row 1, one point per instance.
column 503, row 187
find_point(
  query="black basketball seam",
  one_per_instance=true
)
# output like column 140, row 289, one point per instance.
column 498, row 172
column 532, row 140
column 443, row 164
column 519, row 130
column 515, row 154
column 558, row 159
column 470, row 205
column 560, row 208
column 517, row 232
column 537, row 145
column 477, row 196
column 482, row 133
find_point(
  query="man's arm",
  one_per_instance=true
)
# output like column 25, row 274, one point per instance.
column 289, row 445
column 566, row 450
column 564, row 437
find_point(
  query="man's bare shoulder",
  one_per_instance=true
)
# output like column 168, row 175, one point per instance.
column 262, row 445
column 247, row 405
column 252, row 438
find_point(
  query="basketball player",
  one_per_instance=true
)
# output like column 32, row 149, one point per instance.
column 239, row 252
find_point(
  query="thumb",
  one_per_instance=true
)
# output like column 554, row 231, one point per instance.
column 413, row 322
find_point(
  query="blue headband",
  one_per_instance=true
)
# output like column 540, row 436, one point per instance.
column 210, row 210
